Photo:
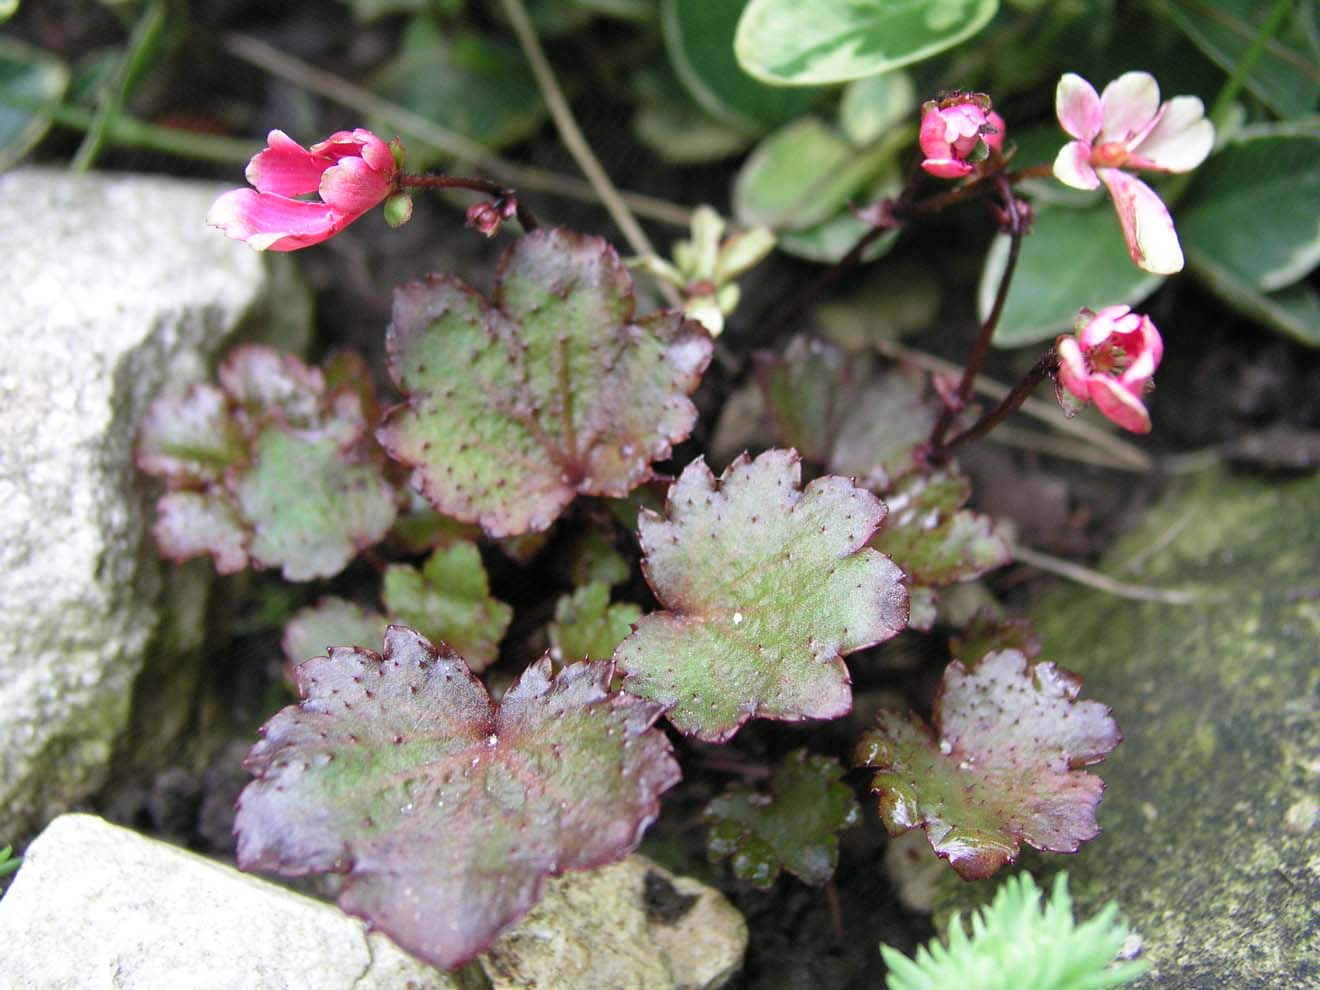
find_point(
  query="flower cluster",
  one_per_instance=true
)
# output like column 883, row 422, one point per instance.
column 350, row 171
column 1120, row 131
column 1110, row 361
column 958, row 132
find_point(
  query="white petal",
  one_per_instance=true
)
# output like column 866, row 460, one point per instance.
column 1073, row 168
column 1147, row 227
column 1181, row 140
column 1128, row 105
column 1077, row 107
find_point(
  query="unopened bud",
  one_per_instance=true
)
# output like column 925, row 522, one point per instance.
column 398, row 209
column 484, row 217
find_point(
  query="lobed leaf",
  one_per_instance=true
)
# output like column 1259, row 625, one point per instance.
column 274, row 468
column 312, row 503
column 330, row 622
column 449, row 600
column 933, row 539
column 549, row 390
column 1004, row 769
column 767, row 587
column 587, row 626
column 444, row 811
column 794, row 827
column 856, row 419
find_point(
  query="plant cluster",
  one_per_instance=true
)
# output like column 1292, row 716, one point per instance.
column 549, row 403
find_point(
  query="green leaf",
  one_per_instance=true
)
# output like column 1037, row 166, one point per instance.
column 1072, row 258
column 673, row 126
column 190, row 437
column 1016, row 942
column 281, row 469
column 1294, row 311
column 932, row 538
column 699, row 38
column 312, row 502
column 1285, row 76
column 449, row 601
column 587, row 626
column 194, row 524
column 444, row 812
column 547, row 391
column 845, row 413
column 793, row 827
column 827, row 243
column 1003, row 769
column 804, row 174
column 8, row 8
column 593, row 558
column 870, row 107
column 767, row 587
column 9, row 863
column 1255, row 209
column 818, row 42
column 478, row 86
column 312, row 631
column 30, row 81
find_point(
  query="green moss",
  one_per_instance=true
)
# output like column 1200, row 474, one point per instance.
column 1210, row 832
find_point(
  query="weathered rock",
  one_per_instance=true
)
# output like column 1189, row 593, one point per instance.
column 630, row 926
column 113, row 289
column 1211, row 841
column 96, row 905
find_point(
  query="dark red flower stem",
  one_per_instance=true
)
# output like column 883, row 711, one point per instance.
column 435, row 180
column 1042, row 369
column 1015, row 228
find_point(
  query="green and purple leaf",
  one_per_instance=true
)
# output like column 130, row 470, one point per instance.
column 767, row 587
column 194, row 524
column 986, row 633
column 933, row 539
column 549, row 390
column 272, row 469
column 445, row 812
column 587, row 626
column 847, row 414
column 793, row 827
column 330, row 622
column 449, row 600
column 1004, row 769
column 312, row 499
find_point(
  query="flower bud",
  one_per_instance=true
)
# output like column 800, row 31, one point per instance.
column 957, row 133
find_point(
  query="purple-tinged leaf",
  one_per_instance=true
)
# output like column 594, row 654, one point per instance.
column 987, row 634
column 190, row 438
column 549, row 390
column 280, row 467
column 330, row 622
column 794, row 826
column 846, row 413
column 933, row 539
column 194, row 524
column 1004, row 769
column 261, row 380
column 767, row 586
column 805, row 392
column 444, row 811
column 449, row 601
column 587, row 626
column 312, row 502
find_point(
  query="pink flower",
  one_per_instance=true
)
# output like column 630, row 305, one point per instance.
column 957, row 132
column 1128, row 128
column 1110, row 362
column 351, row 171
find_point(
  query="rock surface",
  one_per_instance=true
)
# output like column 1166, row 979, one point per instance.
column 1211, row 841
column 113, row 289
column 630, row 926
column 96, row 905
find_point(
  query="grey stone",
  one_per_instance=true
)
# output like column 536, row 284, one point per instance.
column 114, row 289
column 1211, row 841
column 98, row 906
column 630, row 926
